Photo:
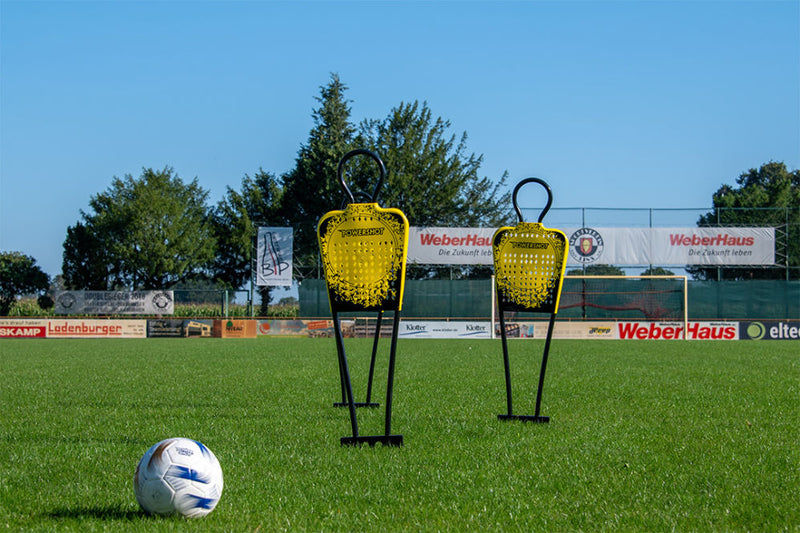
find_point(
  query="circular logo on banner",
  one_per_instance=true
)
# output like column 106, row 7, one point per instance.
column 161, row 300
column 586, row 245
column 66, row 300
column 756, row 331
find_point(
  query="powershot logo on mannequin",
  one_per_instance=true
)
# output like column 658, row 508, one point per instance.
column 586, row 245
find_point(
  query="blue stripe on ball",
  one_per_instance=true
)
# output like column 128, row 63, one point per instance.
column 183, row 472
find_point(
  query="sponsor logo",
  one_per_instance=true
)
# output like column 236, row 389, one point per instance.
column 756, row 331
column 721, row 239
column 599, row 331
column 361, row 232
column 770, row 330
column 161, row 300
column 66, row 300
column 232, row 327
column 472, row 330
column 530, row 245
column 586, row 245
column 415, row 328
column 695, row 331
column 429, row 239
column 55, row 329
column 21, row 332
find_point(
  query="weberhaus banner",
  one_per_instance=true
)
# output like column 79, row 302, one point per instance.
column 614, row 246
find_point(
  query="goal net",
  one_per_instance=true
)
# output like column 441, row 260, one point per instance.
column 661, row 298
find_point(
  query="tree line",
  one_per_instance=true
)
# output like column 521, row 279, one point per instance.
column 156, row 231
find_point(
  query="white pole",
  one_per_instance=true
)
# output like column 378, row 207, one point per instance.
column 494, row 306
column 685, row 307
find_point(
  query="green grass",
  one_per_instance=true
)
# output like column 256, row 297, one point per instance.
column 644, row 435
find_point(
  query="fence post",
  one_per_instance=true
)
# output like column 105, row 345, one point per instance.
column 786, row 221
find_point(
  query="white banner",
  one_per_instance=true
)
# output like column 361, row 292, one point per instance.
column 114, row 303
column 274, row 256
column 431, row 329
column 450, row 246
column 563, row 330
column 671, row 246
column 97, row 329
column 612, row 246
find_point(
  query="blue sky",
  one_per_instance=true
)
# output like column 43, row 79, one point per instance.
column 616, row 104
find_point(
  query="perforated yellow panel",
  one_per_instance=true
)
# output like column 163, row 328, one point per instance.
column 363, row 251
column 529, row 263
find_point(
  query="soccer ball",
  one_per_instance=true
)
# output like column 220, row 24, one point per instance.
column 178, row 476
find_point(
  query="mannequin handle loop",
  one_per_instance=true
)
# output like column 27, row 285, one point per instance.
column 340, row 172
column 549, row 197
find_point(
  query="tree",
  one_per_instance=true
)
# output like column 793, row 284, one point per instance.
column 430, row 175
column 767, row 196
column 431, row 178
column 19, row 275
column 145, row 233
column 85, row 264
column 311, row 189
column 236, row 221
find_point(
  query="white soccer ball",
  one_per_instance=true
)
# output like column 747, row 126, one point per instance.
column 178, row 476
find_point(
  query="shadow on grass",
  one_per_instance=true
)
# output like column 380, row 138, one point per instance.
column 97, row 513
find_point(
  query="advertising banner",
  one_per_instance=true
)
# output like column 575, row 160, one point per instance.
column 584, row 330
column 274, row 257
column 97, row 329
column 674, row 330
column 16, row 328
column 198, row 328
column 563, row 330
column 114, row 303
column 671, row 246
column 235, row 329
column 424, row 329
column 296, row 328
column 769, row 330
column 165, row 327
column 713, row 246
column 450, row 246
column 613, row 246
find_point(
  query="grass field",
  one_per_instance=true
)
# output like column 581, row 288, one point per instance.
column 644, row 435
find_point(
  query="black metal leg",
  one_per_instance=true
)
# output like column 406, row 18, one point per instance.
column 367, row 403
column 372, row 360
column 506, row 363
column 550, row 329
column 390, row 379
column 387, row 439
column 342, row 383
column 536, row 417
column 345, row 373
